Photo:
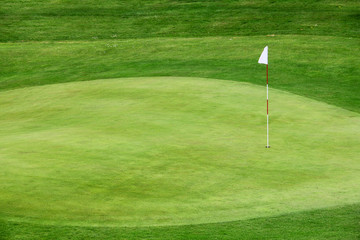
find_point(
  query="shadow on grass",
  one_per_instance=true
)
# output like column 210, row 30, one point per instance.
column 4, row 231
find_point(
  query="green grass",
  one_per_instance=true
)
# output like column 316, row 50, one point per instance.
column 333, row 223
column 112, row 19
column 314, row 52
column 164, row 151
column 323, row 68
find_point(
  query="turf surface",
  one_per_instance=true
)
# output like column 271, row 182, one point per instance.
column 34, row 20
column 332, row 223
column 322, row 68
column 165, row 151
column 314, row 48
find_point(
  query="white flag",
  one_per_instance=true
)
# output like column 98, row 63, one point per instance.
column 264, row 56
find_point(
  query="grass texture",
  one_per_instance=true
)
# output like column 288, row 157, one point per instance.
column 64, row 152
column 332, row 223
column 165, row 151
column 40, row 20
column 322, row 68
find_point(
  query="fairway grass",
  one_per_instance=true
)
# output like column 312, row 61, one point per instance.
column 38, row 20
column 321, row 68
column 330, row 223
column 170, row 151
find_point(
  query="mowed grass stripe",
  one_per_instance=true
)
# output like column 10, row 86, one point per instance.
column 163, row 151
column 322, row 68
column 93, row 19
column 333, row 223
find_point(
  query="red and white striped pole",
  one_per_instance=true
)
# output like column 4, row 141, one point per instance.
column 264, row 60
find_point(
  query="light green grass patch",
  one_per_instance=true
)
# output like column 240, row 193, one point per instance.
column 159, row 151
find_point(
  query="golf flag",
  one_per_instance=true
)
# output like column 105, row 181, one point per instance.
column 264, row 60
column 264, row 56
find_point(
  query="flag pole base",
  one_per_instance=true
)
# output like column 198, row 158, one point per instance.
column 267, row 146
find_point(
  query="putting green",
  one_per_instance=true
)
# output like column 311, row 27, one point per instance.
column 162, row 151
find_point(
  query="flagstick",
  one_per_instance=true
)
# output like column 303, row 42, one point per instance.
column 267, row 107
column 264, row 60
